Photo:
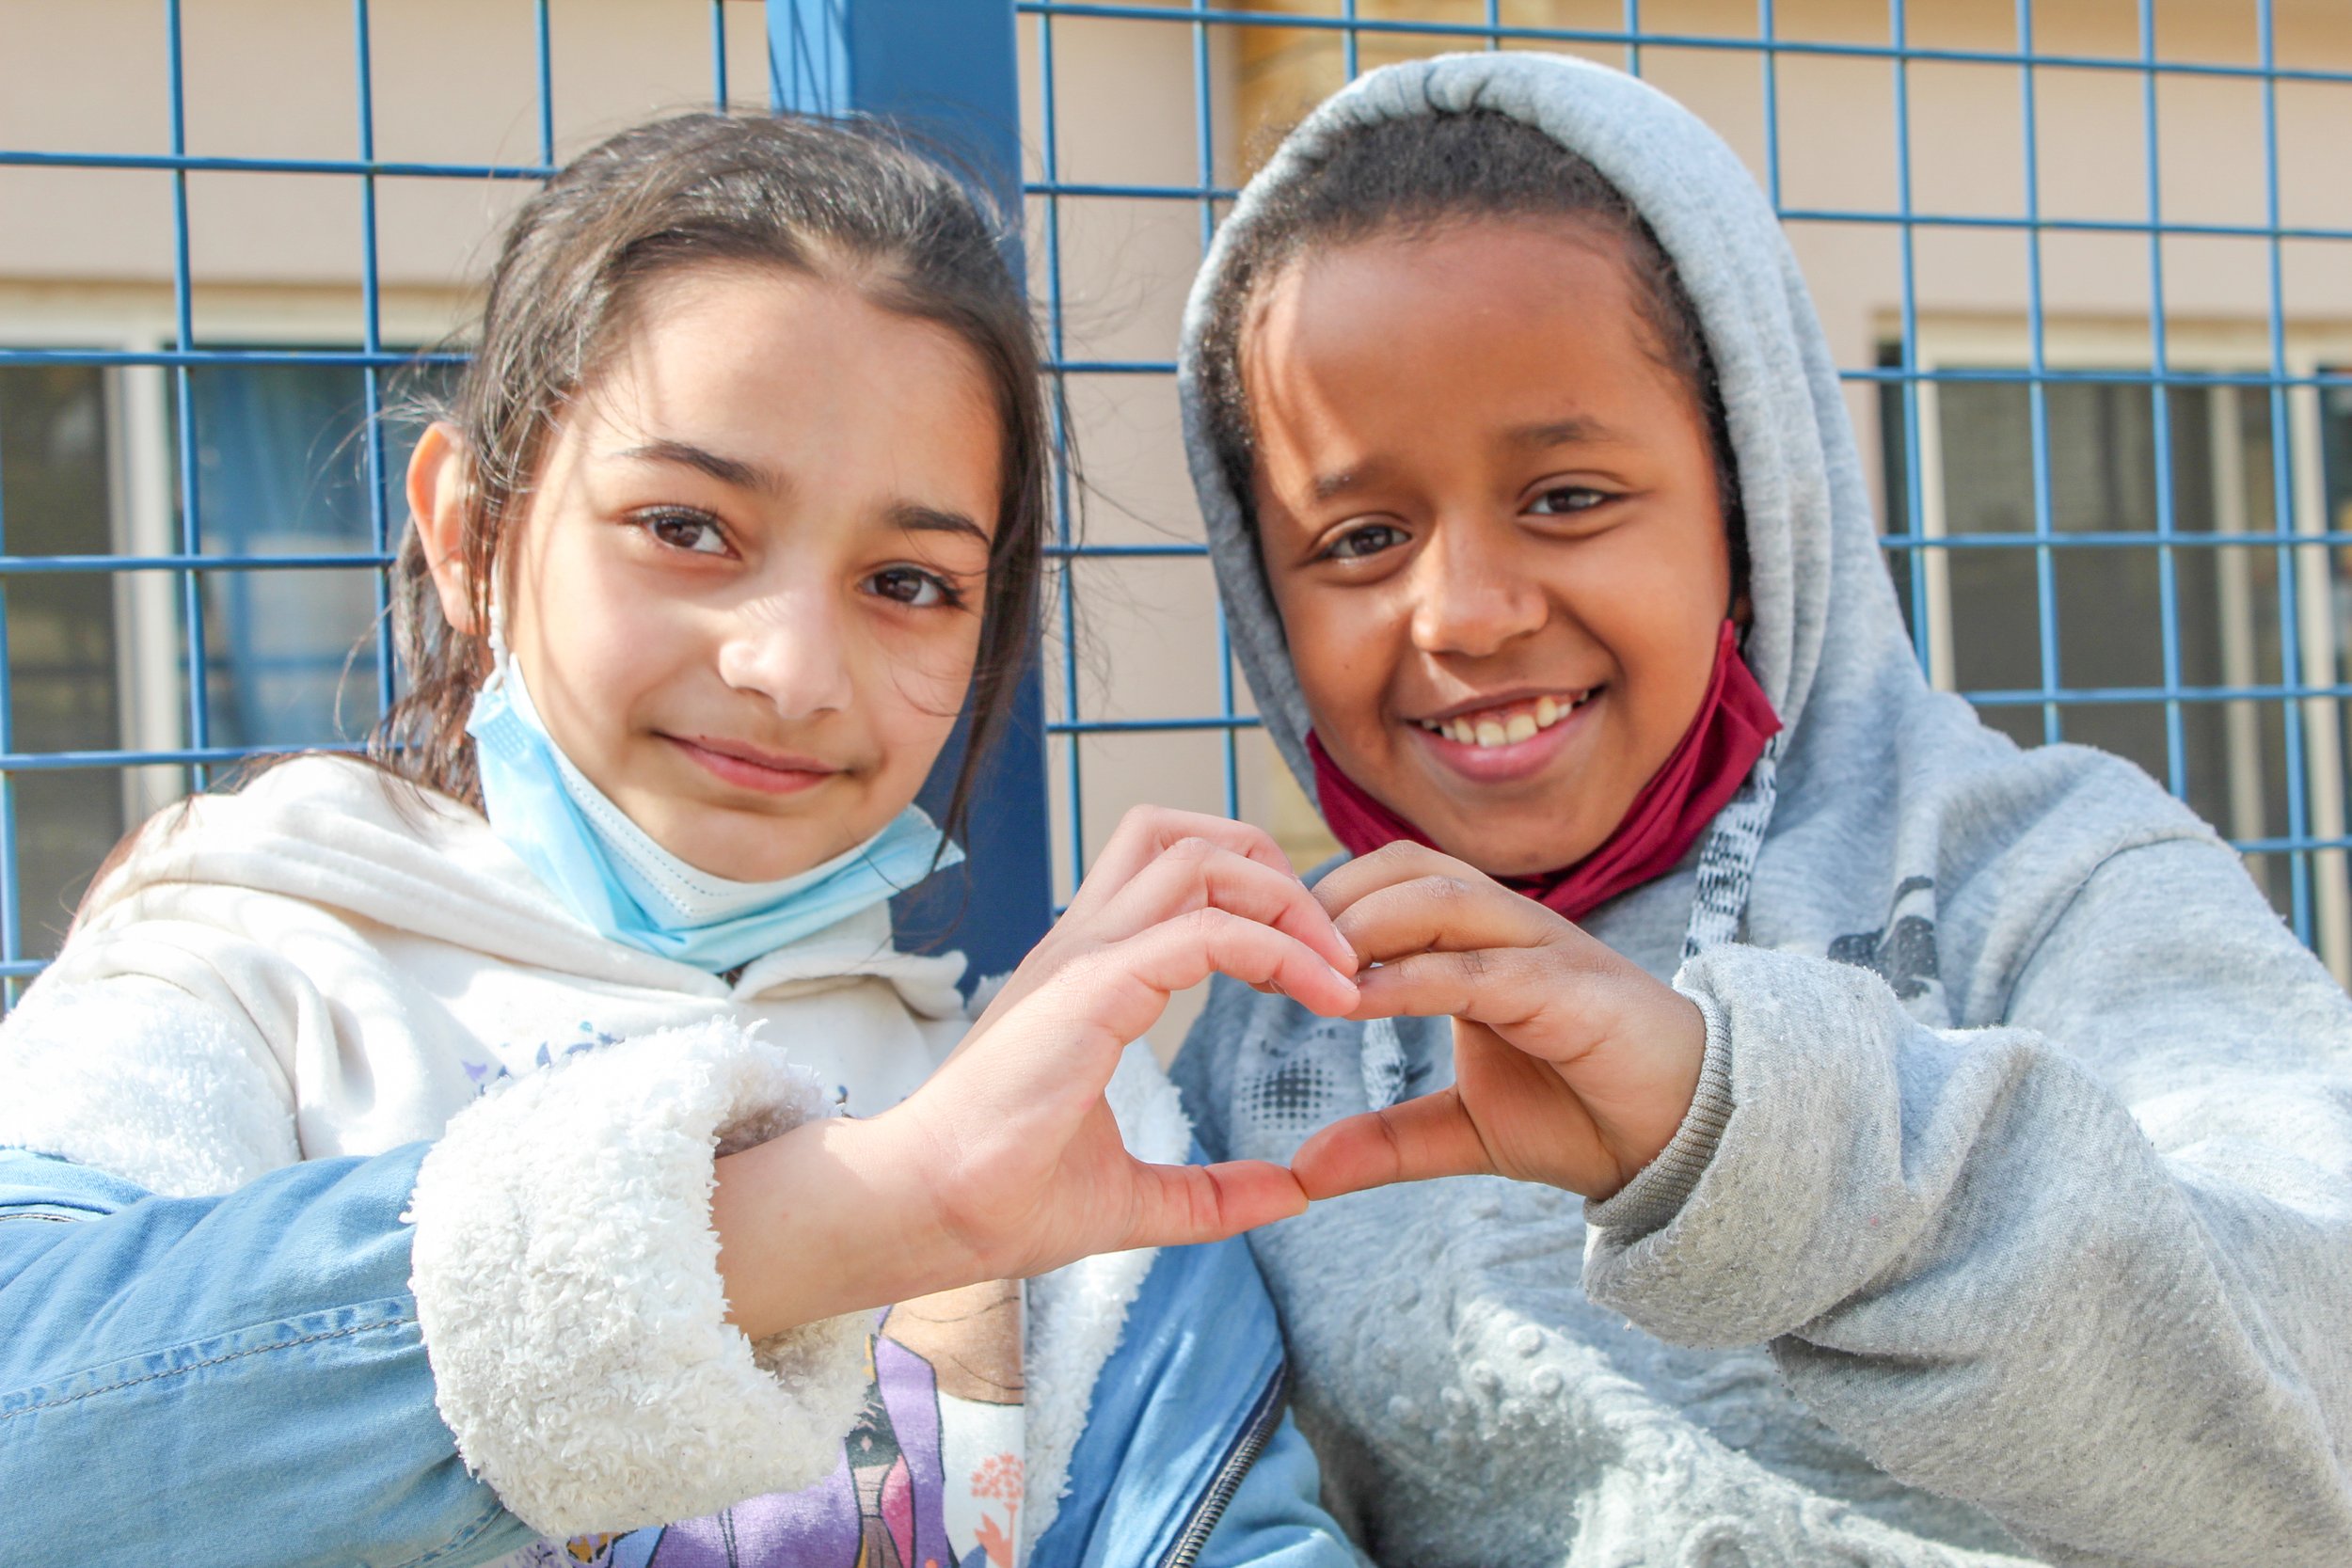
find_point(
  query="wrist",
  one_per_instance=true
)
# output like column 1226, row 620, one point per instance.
column 1649, row 1122
column 834, row 1216
column 1658, row 1191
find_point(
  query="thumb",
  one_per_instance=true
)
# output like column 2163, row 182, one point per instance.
column 1415, row 1141
column 1187, row 1204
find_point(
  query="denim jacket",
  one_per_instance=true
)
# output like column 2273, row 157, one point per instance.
column 402, row 1253
column 242, row 1380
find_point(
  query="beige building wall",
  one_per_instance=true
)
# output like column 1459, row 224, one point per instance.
column 455, row 81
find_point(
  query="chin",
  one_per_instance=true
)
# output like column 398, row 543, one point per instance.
column 1499, row 851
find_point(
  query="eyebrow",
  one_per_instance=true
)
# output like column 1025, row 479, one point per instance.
column 1341, row 481
column 914, row 517
column 726, row 471
column 907, row 516
column 1575, row 430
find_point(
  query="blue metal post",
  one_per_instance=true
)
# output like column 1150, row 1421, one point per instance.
column 946, row 70
column 380, row 521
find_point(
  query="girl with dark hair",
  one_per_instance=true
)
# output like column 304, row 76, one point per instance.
column 435, row 1161
column 1964, row 1147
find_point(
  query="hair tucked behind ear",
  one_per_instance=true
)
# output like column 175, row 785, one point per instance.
column 842, row 201
column 1420, row 174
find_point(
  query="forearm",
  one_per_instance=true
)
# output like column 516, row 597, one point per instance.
column 828, row 1219
column 567, row 1283
column 1970, row 1259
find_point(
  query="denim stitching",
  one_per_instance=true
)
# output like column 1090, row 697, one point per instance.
column 199, row 1366
column 459, row 1541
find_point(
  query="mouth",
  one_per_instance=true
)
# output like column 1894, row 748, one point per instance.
column 748, row 767
column 1498, row 742
column 1493, row 725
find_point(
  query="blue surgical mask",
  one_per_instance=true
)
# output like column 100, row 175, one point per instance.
column 612, row 874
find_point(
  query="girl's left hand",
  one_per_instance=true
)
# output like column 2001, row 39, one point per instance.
column 1571, row 1065
column 1007, row 1161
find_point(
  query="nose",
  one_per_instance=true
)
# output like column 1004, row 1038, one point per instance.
column 788, row 648
column 1471, row 595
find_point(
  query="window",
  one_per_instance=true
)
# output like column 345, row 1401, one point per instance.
column 2176, row 663
column 98, row 654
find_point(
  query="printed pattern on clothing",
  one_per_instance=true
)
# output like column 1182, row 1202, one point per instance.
column 1902, row 952
column 1726, row 868
column 930, row 1474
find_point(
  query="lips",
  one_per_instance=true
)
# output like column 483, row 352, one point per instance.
column 1507, row 742
column 1506, row 723
column 748, row 767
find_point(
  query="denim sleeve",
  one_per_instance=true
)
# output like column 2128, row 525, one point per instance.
column 1276, row 1518
column 232, row 1380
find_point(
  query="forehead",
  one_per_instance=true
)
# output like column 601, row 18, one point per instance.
column 804, row 374
column 1500, row 318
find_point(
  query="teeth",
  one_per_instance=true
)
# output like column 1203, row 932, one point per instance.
column 1493, row 729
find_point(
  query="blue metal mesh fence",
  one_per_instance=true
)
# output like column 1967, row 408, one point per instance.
column 2083, row 265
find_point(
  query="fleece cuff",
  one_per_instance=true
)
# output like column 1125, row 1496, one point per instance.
column 567, row 1281
column 1658, row 1189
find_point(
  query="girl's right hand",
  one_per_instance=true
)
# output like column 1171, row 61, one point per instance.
column 1007, row 1162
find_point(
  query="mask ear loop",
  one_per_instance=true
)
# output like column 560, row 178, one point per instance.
column 502, row 657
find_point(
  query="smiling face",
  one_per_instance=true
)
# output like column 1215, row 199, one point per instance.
column 1491, row 520
column 746, row 595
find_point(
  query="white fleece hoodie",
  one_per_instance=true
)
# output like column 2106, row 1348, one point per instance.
column 331, row 964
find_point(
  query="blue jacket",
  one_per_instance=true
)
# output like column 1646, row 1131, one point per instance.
column 242, row 1380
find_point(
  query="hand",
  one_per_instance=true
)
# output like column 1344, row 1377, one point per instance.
column 1571, row 1065
column 1007, row 1162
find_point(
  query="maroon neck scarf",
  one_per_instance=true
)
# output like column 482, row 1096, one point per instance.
column 1705, row 769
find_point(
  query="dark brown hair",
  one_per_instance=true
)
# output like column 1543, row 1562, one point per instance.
column 840, row 200
column 1420, row 175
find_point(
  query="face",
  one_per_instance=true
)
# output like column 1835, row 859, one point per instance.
column 746, row 597
column 1489, row 516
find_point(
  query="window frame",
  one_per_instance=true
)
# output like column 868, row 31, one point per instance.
column 2210, row 346
column 140, row 318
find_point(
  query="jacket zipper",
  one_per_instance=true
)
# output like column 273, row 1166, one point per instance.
column 1255, row 1431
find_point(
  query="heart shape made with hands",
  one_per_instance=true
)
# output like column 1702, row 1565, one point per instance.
column 1572, row 1065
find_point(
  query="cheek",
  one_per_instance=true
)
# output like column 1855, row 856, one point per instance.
column 1334, row 643
column 1659, row 616
column 916, row 679
column 607, row 641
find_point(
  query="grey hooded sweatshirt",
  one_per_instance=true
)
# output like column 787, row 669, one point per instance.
column 2013, row 1217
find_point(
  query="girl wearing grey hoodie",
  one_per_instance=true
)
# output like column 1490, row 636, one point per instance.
column 1964, row 1147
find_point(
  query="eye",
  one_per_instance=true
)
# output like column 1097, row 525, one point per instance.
column 1564, row 499
column 1364, row 539
column 682, row 528
column 914, row 588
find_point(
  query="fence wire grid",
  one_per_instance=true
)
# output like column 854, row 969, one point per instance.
column 2082, row 265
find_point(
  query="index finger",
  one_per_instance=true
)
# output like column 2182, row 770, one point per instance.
column 1445, row 912
column 1401, row 861
column 1145, row 831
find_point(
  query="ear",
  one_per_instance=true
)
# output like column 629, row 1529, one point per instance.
column 438, row 485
